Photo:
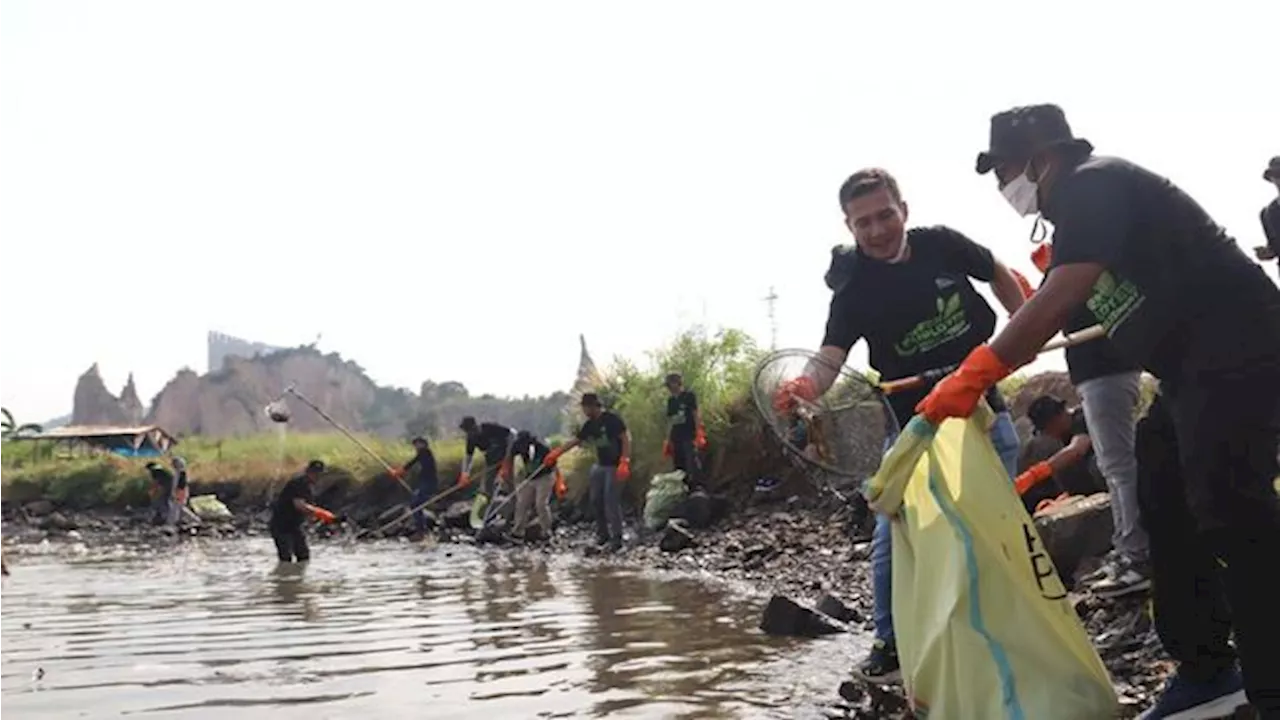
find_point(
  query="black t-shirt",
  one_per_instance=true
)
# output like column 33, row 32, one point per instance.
column 680, row 410
column 1096, row 358
column 162, row 478
column 491, row 439
column 426, row 461
column 1178, row 295
column 605, row 435
column 283, row 514
column 917, row 315
column 1271, row 225
column 531, row 450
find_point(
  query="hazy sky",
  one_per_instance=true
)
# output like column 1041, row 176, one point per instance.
column 456, row 190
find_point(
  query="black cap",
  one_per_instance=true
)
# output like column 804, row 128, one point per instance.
column 590, row 400
column 1019, row 133
column 1043, row 409
column 1272, row 172
column 418, row 441
column 315, row 466
column 468, row 423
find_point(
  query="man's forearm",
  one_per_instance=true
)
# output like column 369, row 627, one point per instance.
column 626, row 445
column 1046, row 313
column 824, row 369
column 1006, row 289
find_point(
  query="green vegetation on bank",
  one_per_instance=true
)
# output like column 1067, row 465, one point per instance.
column 718, row 366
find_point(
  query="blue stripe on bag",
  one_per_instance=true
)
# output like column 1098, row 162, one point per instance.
column 1009, row 695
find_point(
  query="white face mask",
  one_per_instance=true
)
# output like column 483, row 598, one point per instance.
column 1021, row 194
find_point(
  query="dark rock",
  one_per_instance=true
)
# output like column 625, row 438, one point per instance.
column 675, row 537
column 695, row 509
column 783, row 616
column 58, row 521
column 851, row 691
column 39, row 508
column 1075, row 530
column 458, row 515
column 831, row 605
column 762, row 552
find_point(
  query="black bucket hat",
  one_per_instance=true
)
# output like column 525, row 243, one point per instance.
column 1024, row 131
column 1272, row 173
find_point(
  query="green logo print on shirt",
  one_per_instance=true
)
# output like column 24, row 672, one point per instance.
column 949, row 324
column 1113, row 300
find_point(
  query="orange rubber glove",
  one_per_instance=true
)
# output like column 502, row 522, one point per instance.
column 1034, row 475
column 181, row 495
column 1042, row 256
column 1023, row 284
column 464, row 479
column 667, row 450
column 802, row 387
column 396, row 473
column 323, row 515
column 624, row 470
column 700, row 440
column 560, row 487
column 505, row 469
column 552, row 456
column 957, row 394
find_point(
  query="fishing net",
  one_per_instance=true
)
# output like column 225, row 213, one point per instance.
column 278, row 411
column 838, row 438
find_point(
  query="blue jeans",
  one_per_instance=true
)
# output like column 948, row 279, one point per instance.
column 421, row 495
column 1005, row 440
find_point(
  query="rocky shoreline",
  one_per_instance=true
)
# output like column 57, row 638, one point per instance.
column 802, row 548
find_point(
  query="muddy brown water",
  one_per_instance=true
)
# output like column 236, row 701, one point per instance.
column 392, row 631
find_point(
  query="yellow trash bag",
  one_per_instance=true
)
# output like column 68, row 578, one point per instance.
column 983, row 626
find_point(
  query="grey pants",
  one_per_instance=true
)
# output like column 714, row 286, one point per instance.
column 606, row 501
column 535, row 494
column 1111, row 409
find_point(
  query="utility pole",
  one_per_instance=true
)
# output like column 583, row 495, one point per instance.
column 772, row 300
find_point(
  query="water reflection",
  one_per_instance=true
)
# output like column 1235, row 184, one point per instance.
column 390, row 631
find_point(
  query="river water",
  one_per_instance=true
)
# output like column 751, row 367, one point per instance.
column 219, row 630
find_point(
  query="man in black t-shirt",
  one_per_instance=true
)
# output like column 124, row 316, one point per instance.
column 1059, row 458
column 909, row 294
column 605, row 432
column 534, row 493
column 290, row 509
column 686, row 436
column 1175, row 294
column 1270, row 216
column 428, row 479
column 494, row 441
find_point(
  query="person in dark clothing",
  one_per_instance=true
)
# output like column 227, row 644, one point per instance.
column 162, row 482
column 296, row 501
column 494, row 441
column 686, row 437
column 1069, row 466
column 608, row 434
column 907, row 292
column 1270, row 215
column 1178, row 296
column 533, row 496
column 427, row 483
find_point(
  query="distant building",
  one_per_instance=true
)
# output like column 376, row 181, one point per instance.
column 223, row 346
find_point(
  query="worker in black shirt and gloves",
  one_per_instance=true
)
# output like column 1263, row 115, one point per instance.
column 533, row 496
column 293, row 504
column 427, row 483
column 494, row 441
column 686, row 436
column 1178, row 296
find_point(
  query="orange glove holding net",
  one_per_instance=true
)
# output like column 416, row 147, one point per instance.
column 561, row 489
column 323, row 515
column 464, row 479
column 803, row 387
column 667, row 451
column 624, row 470
column 396, row 473
column 700, row 439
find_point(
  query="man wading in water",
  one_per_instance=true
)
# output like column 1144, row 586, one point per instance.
column 1179, row 297
column 908, row 293
column 686, row 437
column 428, row 480
column 494, row 441
column 292, row 506
column 609, row 436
